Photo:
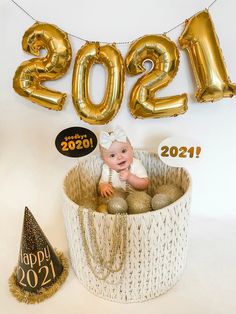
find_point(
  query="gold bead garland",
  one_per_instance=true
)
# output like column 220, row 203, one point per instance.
column 100, row 266
column 116, row 234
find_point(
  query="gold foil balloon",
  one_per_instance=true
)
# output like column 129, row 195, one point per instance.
column 164, row 55
column 30, row 74
column 201, row 42
column 111, row 58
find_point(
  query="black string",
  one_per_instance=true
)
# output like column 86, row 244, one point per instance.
column 27, row 13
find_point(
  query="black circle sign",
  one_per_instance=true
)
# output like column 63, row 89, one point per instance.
column 76, row 142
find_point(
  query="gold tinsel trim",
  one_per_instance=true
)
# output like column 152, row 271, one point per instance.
column 29, row 297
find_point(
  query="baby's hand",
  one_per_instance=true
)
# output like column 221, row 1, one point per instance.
column 124, row 175
column 106, row 189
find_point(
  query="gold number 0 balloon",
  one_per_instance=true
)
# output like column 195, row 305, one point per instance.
column 30, row 74
column 110, row 57
column 164, row 55
column 202, row 44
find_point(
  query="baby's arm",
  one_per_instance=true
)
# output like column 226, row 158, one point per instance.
column 104, row 187
column 136, row 182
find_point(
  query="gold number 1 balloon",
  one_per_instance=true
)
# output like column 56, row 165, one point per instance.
column 111, row 58
column 30, row 74
column 164, row 55
column 201, row 42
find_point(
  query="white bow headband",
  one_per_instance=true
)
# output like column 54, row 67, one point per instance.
column 106, row 139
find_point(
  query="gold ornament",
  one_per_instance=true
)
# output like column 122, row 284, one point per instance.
column 138, row 202
column 201, row 42
column 110, row 57
column 117, row 205
column 164, row 56
column 171, row 190
column 159, row 201
column 30, row 74
column 116, row 193
column 102, row 208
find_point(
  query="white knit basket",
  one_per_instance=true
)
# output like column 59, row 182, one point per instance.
column 156, row 241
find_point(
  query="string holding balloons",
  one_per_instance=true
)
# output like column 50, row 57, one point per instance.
column 198, row 38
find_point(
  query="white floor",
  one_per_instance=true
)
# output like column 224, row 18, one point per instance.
column 207, row 286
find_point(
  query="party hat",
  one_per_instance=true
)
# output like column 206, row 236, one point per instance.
column 41, row 270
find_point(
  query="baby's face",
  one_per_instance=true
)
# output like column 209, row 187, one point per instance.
column 119, row 156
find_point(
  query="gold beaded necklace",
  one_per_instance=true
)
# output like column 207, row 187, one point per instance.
column 127, row 186
column 100, row 265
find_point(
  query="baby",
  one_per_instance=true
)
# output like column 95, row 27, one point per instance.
column 120, row 171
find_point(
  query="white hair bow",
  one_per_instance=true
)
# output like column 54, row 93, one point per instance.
column 106, row 139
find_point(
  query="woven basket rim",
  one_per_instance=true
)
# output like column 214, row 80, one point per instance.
column 152, row 212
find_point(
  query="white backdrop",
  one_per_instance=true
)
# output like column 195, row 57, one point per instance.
column 32, row 170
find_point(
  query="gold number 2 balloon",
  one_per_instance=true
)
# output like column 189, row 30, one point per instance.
column 201, row 42
column 30, row 74
column 111, row 58
column 164, row 55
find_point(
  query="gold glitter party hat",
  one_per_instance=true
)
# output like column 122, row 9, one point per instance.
column 41, row 270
